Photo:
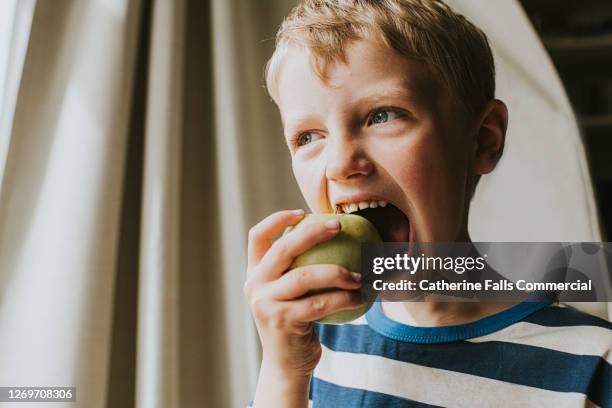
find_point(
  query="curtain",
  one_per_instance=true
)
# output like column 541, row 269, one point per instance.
column 64, row 131
column 137, row 146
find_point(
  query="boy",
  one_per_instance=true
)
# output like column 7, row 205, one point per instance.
column 392, row 102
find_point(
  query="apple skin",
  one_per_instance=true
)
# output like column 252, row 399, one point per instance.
column 344, row 250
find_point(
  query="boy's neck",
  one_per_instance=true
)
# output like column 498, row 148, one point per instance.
column 432, row 314
column 443, row 313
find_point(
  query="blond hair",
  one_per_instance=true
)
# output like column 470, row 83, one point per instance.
column 425, row 30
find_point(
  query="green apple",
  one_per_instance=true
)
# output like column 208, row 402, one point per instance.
column 344, row 250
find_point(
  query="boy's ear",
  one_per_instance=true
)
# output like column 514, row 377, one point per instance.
column 490, row 137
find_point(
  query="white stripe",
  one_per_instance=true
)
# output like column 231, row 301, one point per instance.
column 580, row 340
column 433, row 385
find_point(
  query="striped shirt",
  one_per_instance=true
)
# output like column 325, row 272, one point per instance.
column 531, row 355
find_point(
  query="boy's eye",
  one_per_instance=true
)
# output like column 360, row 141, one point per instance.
column 384, row 115
column 306, row 137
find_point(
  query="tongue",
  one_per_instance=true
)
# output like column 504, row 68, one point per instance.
column 391, row 223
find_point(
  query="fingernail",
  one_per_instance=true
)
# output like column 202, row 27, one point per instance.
column 356, row 276
column 298, row 212
column 332, row 224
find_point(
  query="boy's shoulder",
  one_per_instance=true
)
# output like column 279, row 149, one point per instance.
column 560, row 315
column 558, row 329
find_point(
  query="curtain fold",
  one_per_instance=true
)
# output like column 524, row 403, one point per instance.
column 157, row 381
column 61, row 194
column 16, row 34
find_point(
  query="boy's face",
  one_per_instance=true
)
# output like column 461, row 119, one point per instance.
column 382, row 128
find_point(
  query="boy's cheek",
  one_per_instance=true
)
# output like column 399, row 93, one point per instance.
column 435, row 189
column 310, row 177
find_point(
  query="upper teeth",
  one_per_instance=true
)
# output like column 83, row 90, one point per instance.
column 352, row 207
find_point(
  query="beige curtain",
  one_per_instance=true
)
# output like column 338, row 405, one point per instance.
column 137, row 146
column 120, row 271
column 65, row 121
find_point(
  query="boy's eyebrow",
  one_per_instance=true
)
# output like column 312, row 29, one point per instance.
column 296, row 122
column 415, row 88
column 414, row 95
column 390, row 93
column 368, row 98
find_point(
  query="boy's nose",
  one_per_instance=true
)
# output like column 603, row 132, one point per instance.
column 346, row 160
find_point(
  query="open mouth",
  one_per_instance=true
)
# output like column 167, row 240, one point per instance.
column 390, row 222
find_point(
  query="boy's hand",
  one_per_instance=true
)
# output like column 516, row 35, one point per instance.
column 282, row 313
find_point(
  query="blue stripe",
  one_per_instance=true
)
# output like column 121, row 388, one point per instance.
column 403, row 332
column 600, row 392
column 515, row 363
column 328, row 395
column 566, row 316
